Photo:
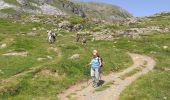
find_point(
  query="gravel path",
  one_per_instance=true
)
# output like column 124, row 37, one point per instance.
column 84, row 92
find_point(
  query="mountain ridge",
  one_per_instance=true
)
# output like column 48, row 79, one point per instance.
column 91, row 10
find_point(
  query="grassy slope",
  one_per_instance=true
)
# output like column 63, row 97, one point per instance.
column 155, row 85
column 37, row 85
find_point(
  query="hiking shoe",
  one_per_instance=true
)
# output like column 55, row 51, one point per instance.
column 95, row 86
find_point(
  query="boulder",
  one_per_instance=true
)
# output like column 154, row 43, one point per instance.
column 31, row 34
column 41, row 59
column 49, row 57
column 75, row 56
column 77, row 27
column 3, row 45
column 66, row 25
column 70, row 27
column 24, row 54
column 23, row 2
column 34, row 29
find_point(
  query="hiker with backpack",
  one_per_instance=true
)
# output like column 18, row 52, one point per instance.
column 77, row 37
column 95, row 68
column 51, row 37
column 84, row 40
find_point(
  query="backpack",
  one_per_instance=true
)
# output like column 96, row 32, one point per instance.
column 100, row 59
column 84, row 40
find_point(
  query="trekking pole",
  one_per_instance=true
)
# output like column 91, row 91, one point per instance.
column 86, row 73
column 100, row 78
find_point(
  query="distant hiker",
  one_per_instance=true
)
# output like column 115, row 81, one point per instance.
column 84, row 40
column 95, row 67
column 51, row 37
column 77, row 37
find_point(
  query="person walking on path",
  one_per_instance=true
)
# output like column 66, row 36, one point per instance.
column 95, row 67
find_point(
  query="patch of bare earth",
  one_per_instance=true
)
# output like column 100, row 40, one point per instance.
column 86, row 92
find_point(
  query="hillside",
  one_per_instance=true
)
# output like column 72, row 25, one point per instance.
column 32, row 68
column 97, row 11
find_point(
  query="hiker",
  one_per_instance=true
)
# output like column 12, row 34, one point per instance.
column 101, row 62
column 51, row 37
column 95, row 67
column 77, row 37
column 84, row 40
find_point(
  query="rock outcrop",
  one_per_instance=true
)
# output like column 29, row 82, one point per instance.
column 90, row 10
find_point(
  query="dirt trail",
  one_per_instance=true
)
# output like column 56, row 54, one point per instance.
column 84, row 92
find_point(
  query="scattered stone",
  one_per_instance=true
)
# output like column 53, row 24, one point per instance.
column 165, row 98
column 31, row 34
column 1, row 72
column 3, row 45
column 104, row 35
column 135, row 32
column 49, row 57
column 24, row 54
column 167, row 69
column 136, row 20
column 70, row 27
column 77, row 27
column 34, row 29
column 165, row 47
column 52, row 49
column 33, row 18
column 75, row 56
column 23, row 2
column 50, row 10
column 41, row 59
column 66, row 25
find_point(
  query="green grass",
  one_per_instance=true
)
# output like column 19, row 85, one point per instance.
column 12, row 27
column 12, row 2
column 9, row 10
column 76, row 20
column 35, row 85
column 128, row 74
column 155, row 85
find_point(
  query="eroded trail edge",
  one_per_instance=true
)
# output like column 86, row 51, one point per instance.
column 83, row 92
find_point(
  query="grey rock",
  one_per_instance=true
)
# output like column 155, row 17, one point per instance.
column 24, row 54
column 23, row 2
column 77, row 27
column 66, row 25
column 50, row 10
column 3, row 45
column 34, row 29
column 75, row 56
column 31, row 34
column 41, row 59
column 49, row 57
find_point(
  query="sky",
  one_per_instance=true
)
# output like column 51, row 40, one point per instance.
column 140, row 8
